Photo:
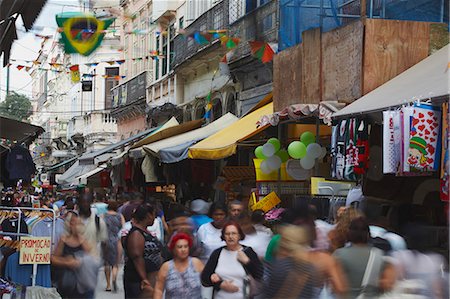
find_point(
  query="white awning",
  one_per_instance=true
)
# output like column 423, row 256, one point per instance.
column 82, row 179
column 175, row 148
column 425, row 80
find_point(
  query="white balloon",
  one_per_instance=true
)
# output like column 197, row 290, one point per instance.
column 314, row 150
column 265, row 167
column 274, row 162
column 307, row 162
column 296, row 171
column 268, row 150
column 323, row 153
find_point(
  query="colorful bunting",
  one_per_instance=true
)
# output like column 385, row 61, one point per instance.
column 229, row 42
column 19, row 67
column 262, row 50
column 75, row 73
column 82, row 33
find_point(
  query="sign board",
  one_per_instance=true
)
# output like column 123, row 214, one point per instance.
column 130, row 91
column 136, row 88
column 267, row 203
column 35, row 250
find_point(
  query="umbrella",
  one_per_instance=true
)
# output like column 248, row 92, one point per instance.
column 262, row 50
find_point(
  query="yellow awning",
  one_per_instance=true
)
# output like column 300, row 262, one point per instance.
column 224, row 143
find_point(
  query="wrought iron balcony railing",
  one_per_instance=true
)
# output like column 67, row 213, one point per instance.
column 260, row 24
column 216, row 18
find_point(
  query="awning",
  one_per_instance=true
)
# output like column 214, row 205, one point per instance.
column 175, row 148
column 324, row 111
column 78, row 169
column 169, row 131
column 137, row 151
column 60, row 164
column 29, row 11
column 427, row 79
column 73, row 172
column 82, row 179
column 18, row 130
column 224, row 143
column 88, row 159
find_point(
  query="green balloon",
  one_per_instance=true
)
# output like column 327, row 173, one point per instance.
column 283, row 154
column 259, row 153
column 307, row 138
column 297, row 150
column 276, row 143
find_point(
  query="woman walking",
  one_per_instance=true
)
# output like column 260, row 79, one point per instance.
column 65, row 258
column 112, row 249
column 142, row 255
column 364, row 266
column 180, row 277
column 231, row 265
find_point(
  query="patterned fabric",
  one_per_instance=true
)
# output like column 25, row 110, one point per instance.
column 152, row 255
column 183, row 285
column 391, row 141
column 423, row 149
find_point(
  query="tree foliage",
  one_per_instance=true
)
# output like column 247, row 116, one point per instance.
column 16, row 106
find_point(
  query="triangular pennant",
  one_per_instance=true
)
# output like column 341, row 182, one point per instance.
column 19, row 67
column 119, row 62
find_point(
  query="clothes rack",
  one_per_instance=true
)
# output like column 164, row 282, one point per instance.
column 21, row 211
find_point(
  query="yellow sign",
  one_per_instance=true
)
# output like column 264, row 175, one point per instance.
column 35, row 250
column 267, row 203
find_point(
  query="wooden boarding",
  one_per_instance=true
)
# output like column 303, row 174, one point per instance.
column 311, row 67
column 342, row 51
column 439, row 37
column 390, row 48
column 287, row 78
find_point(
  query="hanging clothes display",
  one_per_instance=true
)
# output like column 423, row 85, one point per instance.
column 19, row 163
column 424, row 147
column 406, row 115
column 445, row 162
column 351, row 152
column 350, row 149
column 340, row 150
column 333, row 149
column 363, row 148
column 391, row 141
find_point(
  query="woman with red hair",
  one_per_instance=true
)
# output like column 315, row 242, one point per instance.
column 179, row 277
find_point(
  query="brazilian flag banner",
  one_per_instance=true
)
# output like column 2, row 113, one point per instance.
column 81, row 32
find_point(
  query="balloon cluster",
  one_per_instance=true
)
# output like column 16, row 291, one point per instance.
column 306, row 150
column 272, row 154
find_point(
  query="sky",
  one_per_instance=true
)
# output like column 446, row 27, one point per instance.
column 27, row 46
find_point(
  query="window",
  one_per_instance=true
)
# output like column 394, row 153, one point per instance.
column 165, row 54
column 109, row 84
column 157, row 60
column 181, row 23
column 267, row 23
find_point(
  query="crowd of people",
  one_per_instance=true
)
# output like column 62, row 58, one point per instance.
column 222, row 250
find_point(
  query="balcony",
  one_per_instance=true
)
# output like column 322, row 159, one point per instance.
column 99, row 123
column 216, row 18
column 260, row 24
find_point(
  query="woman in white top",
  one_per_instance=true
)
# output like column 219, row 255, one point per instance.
column 208, row 234
column 229, row 266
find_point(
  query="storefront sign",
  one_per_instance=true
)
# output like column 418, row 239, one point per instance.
column 267, row 203
column 35, row 250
